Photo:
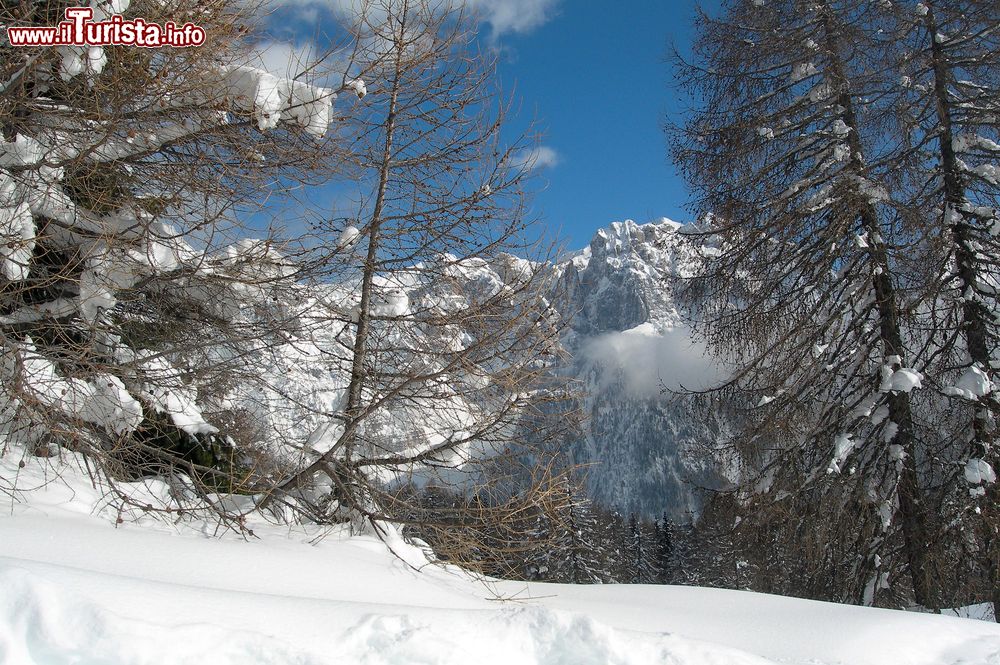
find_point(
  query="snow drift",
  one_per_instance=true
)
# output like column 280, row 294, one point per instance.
column 79, row 589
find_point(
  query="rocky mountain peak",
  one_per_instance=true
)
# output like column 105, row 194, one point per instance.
column 621, row 280
column 628, row 342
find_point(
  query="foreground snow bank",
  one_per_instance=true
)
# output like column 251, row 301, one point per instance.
column 74, row 588
column 85, row 593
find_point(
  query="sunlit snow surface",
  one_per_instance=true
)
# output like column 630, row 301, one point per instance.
column 74, row 588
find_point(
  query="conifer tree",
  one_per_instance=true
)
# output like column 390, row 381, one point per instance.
column 610, row 539
column 578, row 551
column 806, row 285
column 445, row 321
column 664, row 558
column 949, row 100
column 640, row 552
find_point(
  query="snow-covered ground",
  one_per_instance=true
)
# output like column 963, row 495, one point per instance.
column 77, row 588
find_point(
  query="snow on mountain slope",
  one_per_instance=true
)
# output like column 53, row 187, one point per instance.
column 617, row 279
column 297, row 386
column 628, row 342
column 77, row 589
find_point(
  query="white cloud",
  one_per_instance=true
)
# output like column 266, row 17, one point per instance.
column 651, row 362
column 301, row 61
column 503, row 16
column 539, row 157
column 283, row 59
column 515, row 15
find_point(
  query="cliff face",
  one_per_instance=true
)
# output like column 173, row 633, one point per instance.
column 628, row 344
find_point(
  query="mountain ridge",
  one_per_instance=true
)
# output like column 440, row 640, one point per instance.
column 629, row 346
column 626, row 343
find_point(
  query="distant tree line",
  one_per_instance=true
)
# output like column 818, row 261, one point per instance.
column 568, row 540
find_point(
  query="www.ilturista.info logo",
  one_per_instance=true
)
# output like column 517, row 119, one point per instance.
column 79, row 30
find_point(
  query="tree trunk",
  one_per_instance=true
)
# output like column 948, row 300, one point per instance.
column 975, row 316
column 915, row 534
column 353, row 409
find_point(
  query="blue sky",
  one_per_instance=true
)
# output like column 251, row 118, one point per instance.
column 596, row 76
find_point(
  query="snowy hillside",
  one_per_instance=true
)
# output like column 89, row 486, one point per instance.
column 299, row 380
column 78, row 589
column 628, row 343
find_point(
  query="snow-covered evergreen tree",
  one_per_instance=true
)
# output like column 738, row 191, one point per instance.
column 538, row 564
column 612, row 538
column 664, row 558
column 640, row 552
column 577, row 553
